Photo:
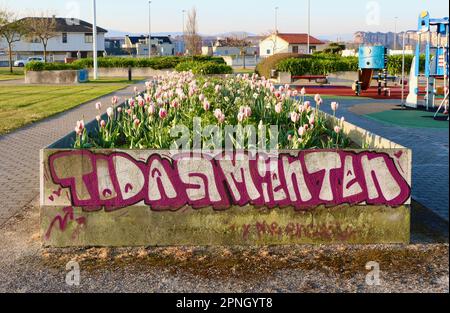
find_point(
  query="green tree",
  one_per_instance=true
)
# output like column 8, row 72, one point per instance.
column 12, row 30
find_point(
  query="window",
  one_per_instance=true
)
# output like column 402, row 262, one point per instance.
column 294, row 49
column 88, row 38
column 34, row 39
column 64, row 37
column 268, row 51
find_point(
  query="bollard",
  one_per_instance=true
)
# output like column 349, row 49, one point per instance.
column 130, row 76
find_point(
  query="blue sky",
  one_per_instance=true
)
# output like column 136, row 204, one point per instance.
column 329, row 17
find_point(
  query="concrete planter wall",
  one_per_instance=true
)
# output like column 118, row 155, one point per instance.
column 343, row 77
column 65, row 77
column 123, row 72
column 146, row 198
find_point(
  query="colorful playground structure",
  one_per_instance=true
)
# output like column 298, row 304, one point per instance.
column 372, row 59
column 429, row 85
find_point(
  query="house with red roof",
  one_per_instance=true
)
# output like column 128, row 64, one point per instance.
column 288, row 43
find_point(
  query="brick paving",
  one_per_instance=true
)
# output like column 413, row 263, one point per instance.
column 430, row 176
column 19, row 153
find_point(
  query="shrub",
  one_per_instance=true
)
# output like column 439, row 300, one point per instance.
column 319, row 64
column 156, row 63
column 204, row 68
column 394, row 65
column 41, row 66
column 270, row 63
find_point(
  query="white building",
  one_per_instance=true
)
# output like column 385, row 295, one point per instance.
column 288, row 43
column 73, row 37
column 138, row 45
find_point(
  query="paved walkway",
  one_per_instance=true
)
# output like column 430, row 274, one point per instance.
column 19, row 153
column 430, row 177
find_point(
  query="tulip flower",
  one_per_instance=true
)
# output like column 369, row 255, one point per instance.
column 334, row 106
column 279, row 108
column 317, row 98
column 162, row 113
column 110, row 112
column 98, row 106
column 206, row 105
column 151, row 109
column 301, row 131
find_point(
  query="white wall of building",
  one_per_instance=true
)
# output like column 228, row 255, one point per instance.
column 227, row 51
column 273, row 45
column 56, row 49
column 75, row 42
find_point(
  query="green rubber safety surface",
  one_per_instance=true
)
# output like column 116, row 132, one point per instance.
column 411, row 118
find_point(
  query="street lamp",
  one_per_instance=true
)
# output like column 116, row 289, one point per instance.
column 149, row 29
column 94, row 33
column 395, row 33
column 276, row 30
column 309, row 27
column 184, row 33
column 276, row 20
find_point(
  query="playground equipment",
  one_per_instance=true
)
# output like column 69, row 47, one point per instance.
column 371, row 59
column 429, row 84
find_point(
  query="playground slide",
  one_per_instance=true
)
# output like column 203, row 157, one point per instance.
column 411, row 100
column 365, row 77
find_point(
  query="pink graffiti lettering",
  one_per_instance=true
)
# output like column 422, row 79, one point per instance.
column 309, row 179
column 63, row 222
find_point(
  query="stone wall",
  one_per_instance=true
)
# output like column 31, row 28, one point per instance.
column 65, row 77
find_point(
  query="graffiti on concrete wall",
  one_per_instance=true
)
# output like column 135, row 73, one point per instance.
column 308, row 179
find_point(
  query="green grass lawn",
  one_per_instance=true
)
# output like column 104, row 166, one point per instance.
column 243, row 70
column 22, row 105
column 6, row 75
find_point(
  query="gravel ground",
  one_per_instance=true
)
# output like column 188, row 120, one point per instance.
column 27, row 267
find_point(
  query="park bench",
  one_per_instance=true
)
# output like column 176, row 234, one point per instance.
column 320, row 79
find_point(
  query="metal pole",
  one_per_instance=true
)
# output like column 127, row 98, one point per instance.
column 149, row 29
column 403, row 70
column 309, row 27
column 276, row 19
column 395, row 33
column 94, row 33
column 184, row 32
column 276, row 30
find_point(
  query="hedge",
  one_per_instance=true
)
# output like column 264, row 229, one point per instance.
column 323, row 64
column 318, row 65
column 204, row 68
column 267, row 64
column 41, row 66
column 156, row 63
column 394, row 65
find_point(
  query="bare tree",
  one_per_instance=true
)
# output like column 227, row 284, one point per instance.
column 42, row 27
column 12, row 30
column 193, row 40
column 240, row 41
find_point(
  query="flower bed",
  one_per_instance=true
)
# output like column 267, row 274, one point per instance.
column 285, row 173
column 145, row 122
